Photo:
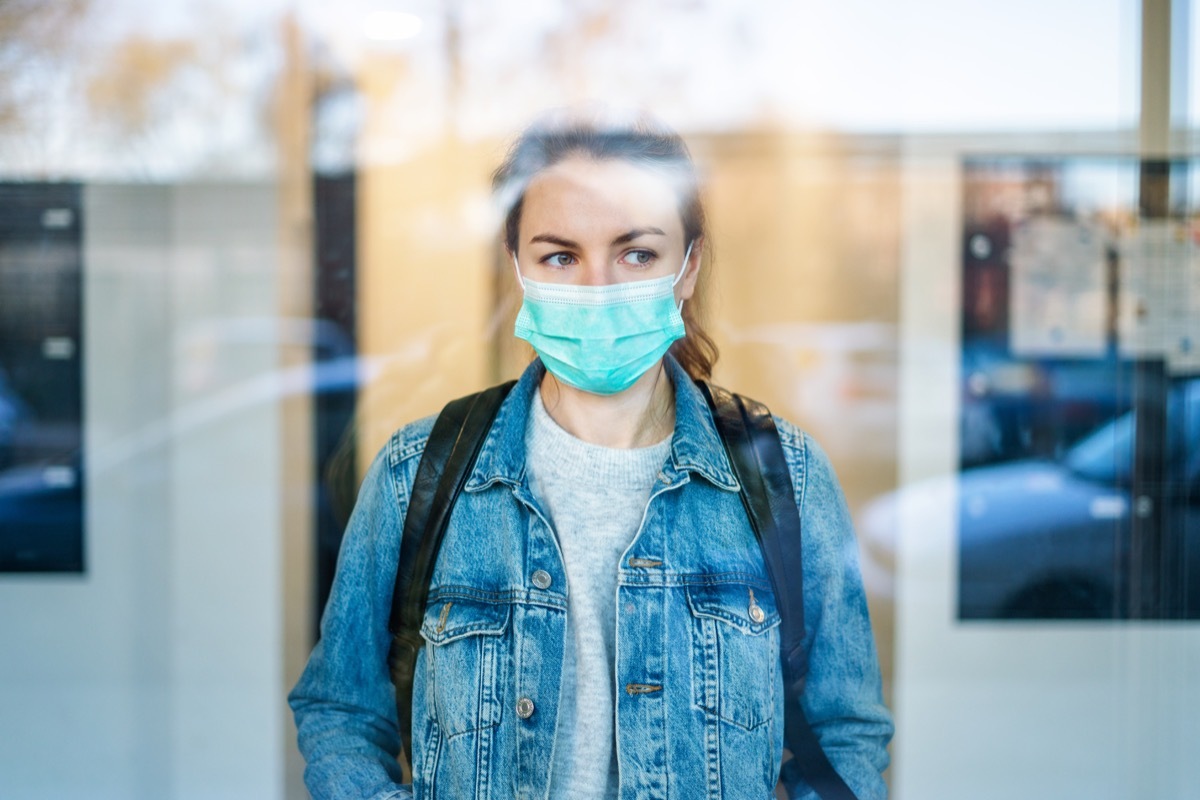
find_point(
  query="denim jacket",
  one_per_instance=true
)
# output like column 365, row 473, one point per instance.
column 699, row 697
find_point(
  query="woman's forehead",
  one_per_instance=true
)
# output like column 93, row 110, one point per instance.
column 588, row 195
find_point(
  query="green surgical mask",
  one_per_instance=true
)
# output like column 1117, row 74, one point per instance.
column 601, row 339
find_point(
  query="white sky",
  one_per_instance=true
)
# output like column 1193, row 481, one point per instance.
column 845, row 64
column 921, row 66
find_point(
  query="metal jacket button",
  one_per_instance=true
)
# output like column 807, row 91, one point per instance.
column 541, row 579
column 756, row 612
column 524, row 708
column 642, row 688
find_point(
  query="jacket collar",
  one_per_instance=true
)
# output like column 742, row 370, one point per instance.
column 695, row 445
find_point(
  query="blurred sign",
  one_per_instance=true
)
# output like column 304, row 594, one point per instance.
column 1057, row 297
column 1160, row 295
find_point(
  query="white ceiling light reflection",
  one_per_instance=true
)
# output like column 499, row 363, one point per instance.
column 391, row 26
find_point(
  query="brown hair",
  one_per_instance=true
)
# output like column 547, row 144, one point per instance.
column 642, row 144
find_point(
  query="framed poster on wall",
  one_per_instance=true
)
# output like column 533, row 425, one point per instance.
column 1080, row 317
column 41, row 378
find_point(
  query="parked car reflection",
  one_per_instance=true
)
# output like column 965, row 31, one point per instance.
column 1050, row 538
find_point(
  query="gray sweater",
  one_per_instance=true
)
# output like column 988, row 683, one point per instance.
column 595, row 497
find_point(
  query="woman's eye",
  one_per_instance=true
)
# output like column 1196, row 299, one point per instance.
column 640, row 258
column 559, row 260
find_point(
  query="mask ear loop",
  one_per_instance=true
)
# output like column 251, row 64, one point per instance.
column 517, row 269
column 682, row 270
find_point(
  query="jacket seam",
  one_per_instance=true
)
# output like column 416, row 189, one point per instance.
column 399, row 454
column 795, row 443
column 439, row 593
column 803, row 470
column 688, row 579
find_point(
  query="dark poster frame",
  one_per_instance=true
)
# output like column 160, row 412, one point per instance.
column 334, row 433
column 42, row 487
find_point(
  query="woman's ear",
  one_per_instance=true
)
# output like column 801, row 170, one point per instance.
column 691, row 273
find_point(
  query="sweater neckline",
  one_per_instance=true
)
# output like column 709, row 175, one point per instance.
column 556, row 452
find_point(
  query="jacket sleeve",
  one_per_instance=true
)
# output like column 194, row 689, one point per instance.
column 843, row 696
column 344, row 703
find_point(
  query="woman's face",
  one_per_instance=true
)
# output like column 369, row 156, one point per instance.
column 594, row 223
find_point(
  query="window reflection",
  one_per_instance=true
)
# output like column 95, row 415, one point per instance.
column 277, row 216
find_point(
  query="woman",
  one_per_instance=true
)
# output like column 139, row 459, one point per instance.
column 600, row 622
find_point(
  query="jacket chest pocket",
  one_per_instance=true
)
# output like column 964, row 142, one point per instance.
column 735, row 650
column 465, row 640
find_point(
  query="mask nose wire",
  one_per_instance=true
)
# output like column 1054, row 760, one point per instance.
column 674, row 283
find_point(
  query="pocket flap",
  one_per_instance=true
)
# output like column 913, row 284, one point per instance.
column 453, row 618
column 735, row 604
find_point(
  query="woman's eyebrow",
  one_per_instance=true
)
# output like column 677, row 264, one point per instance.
column 550, row 238
column 629, row 236
column 624, row 238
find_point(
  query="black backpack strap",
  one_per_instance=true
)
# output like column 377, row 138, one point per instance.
column 449, row 456
column 752, row 443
